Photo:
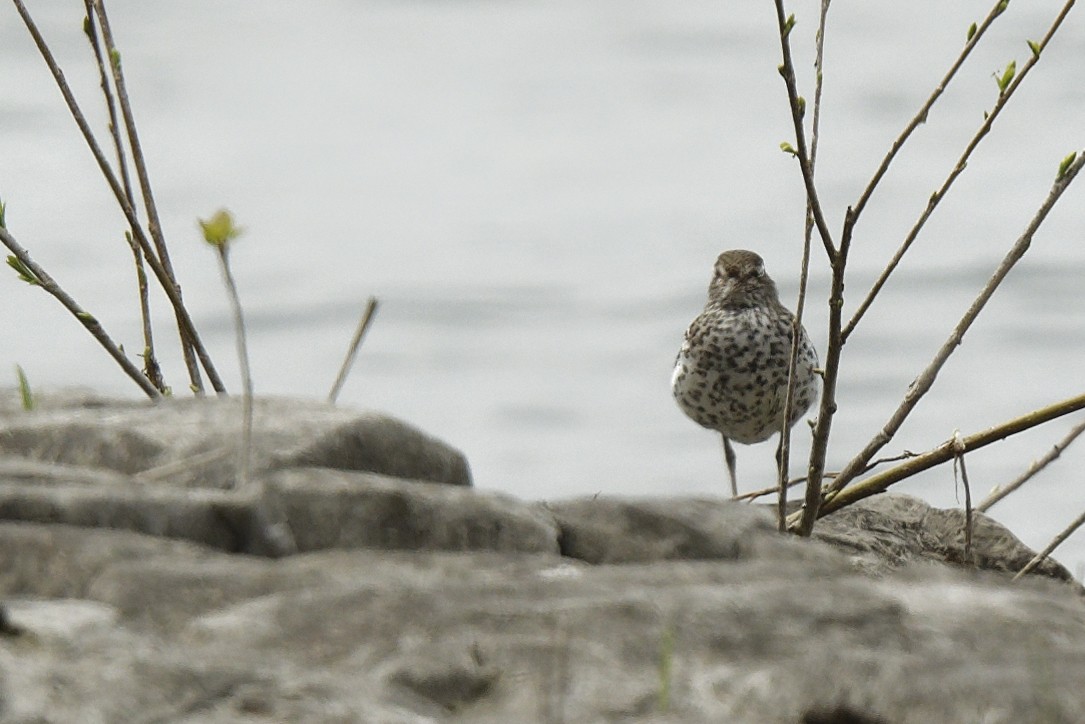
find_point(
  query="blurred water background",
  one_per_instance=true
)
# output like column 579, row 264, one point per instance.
column 536, row 191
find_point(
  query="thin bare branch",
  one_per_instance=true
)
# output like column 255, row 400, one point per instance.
column 755, row 494
column 153, row 223
column 881, row 482
column 787, row 71
column 46, row 282
column 958, row 169
column 784, row 462
column 1050, row 547
column 922, row 384
column 1037, row 465
column 151, row 367
column 168, row 286
column 921, row 116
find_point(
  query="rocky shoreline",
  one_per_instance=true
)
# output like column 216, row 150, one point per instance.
column 359, row 577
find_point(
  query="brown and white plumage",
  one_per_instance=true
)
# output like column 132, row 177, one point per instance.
column 731, row 372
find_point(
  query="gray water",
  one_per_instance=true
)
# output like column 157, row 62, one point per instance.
column 536, row 191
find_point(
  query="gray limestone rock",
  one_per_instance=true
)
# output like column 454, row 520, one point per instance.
column 891, row 530
column 192, row 442
column 137, row 586
column 171, row 631
column 336, row 509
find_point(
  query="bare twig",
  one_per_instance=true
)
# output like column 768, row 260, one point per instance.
column 154, row 226
column 958, row 464
column 1037, row 465
column 838, row 262
column 46, row 282
column 348, row 361
column 787, row 71
column 881, row 482
column 827, row 407
column 755, row 494
column 922, row 384
column 151, row 367
column 164, row 279
column 800, row 304
column 958, row 169
column 921, row 116
column 1050, row 547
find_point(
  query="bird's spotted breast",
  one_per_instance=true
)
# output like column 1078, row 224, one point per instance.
column 731, row 372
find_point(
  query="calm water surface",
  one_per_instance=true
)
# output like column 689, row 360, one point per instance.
column 536, row 191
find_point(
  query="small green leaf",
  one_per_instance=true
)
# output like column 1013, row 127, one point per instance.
column 115, row 57
column 25, row 273
column 971, row 31
column 1006, row 78
column 1002, row 7
column 3, row 222
column 86, row 317
column 1034, row 47
column 802, row 106
column 24, row 389
column 788, row 148
column 220, row 229
column 789, row 24
column 1066, row 164
column 88, row 29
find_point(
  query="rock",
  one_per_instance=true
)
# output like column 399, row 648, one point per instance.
column 153, row 630
column 169, row 469
column 891, row 530
column 614, row 530
column 333, row 509
column 136, row 586
column 192, row 442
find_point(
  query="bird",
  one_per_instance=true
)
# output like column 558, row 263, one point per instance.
column 731, row 371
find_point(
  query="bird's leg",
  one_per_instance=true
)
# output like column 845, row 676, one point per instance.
column 729, row 455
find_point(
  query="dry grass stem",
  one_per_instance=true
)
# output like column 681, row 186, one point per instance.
column 1001, row 492
column 244, row 453
column 352, row 350
column 958, row 464
column 923, row 383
